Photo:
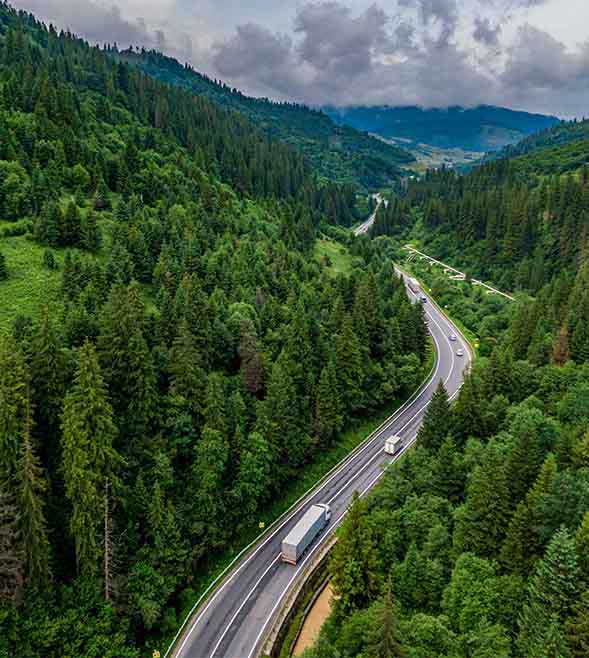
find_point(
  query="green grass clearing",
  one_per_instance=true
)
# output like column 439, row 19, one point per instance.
column 30, row 286
column 334, row 255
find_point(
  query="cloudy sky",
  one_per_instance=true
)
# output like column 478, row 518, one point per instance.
column 526, row 54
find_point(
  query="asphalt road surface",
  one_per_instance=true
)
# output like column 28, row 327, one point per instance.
column 232, row 622
column 365, row 226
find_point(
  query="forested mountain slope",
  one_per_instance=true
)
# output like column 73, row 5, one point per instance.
column 477, row 542
column 559, row 135
column 189, row 354
column 337, row 153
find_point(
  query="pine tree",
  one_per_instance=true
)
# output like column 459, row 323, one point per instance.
column 353, row 561
column 437, row 420
column 89, row 457
column 551, row 595
column 384, row 638
column 328, row 408
column 481, row 522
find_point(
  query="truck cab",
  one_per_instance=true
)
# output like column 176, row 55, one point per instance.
column 327, row 509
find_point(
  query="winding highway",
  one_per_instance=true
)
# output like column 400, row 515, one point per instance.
column 233, row 620
column 365, row 226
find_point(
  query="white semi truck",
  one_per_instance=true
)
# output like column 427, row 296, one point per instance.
column 393, row 445
column 413, row 285
column 305, row 531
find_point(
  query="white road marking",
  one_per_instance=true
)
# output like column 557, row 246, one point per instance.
column 377, row 434
column 347, row 484
column 245, row 600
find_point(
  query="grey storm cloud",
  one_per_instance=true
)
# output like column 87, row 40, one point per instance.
column 485, row 32
column 413, row 55
column 100, row 22
column 350, row 52
column 345, row 58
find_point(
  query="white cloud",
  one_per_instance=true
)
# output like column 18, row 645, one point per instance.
column 522, row 53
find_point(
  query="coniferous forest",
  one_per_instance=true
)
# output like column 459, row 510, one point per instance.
column 475, row 544
column 196, row 358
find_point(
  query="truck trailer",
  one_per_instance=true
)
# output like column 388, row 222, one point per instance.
column 413, row 285
column 305, row 531
column 393, row 445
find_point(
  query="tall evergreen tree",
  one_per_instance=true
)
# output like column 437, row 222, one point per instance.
column 352, row 563
column 437, row 420
column 384, row 639
column 328, row 408
column 481, row 522
column 32, row 524
column 89, row 457
column 551, row 595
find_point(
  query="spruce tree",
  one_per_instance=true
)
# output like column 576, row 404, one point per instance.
column 350, row 367
column 32, row 524
column 48, row 372
column 11, row 557
column 552, row 593
column 14, row 405
column 482, row 521
column 384, row 640
column 89, row 457
column 328, row 409
column 437, row 420
column 582, row 546
column 353, row 561
column 71, row 228
column 91, row 237
column 577, row 627
column 187, row 376
column 522, row 546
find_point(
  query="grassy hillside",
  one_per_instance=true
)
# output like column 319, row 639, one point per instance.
column 337, row 153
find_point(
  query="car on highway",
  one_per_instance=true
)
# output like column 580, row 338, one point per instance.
column 423, row 299
column 460, row 352
column 452, row 337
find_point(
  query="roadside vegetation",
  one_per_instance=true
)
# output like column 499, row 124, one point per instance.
column 174, row 352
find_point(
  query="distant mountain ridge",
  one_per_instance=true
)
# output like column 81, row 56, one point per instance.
column 482, row 128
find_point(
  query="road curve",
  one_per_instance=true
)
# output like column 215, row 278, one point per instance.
column 232, row 622
column 365, row 226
